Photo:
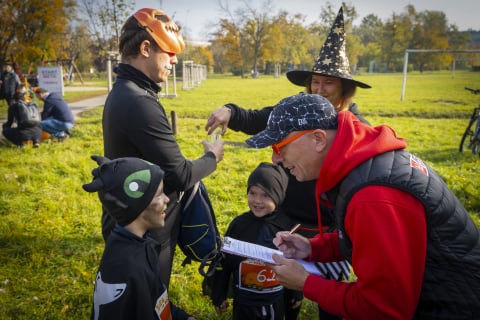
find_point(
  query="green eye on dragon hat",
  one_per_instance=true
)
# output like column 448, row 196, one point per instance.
column 137, row 183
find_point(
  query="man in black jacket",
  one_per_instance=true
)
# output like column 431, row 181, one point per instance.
column 135, row 123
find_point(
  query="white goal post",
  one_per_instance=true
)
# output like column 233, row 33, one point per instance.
column 405, row 63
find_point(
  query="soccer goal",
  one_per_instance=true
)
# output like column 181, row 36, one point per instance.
column 405, row 62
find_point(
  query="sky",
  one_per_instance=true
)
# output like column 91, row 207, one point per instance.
column 197, row 16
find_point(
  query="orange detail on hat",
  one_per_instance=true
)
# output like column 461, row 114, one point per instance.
column 162, row 29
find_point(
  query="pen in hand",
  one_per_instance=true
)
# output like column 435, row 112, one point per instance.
column 295, row 228
column 292, row 231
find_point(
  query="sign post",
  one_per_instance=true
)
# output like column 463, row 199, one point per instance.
column 51, row 79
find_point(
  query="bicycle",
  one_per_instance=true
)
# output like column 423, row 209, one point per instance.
column 473, row 129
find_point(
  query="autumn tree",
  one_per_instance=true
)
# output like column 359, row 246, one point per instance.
column 287, row 40
column 426, row 30
column 34, row 30
column 459, row 40
column 227, row 46
column 78, row 47
column 246, row 31
column 104, row 20
column 256, row 33
column 291, row 44
column 219, row 52
column 395, row 38
column 430, row 31
column 368, row 34
column 198, row 54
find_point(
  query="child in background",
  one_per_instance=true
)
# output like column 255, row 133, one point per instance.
column 128, row 285
column 257, row 294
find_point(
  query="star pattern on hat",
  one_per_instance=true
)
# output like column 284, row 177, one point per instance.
column 332, row 59
column 296, row 113
column 327, row 61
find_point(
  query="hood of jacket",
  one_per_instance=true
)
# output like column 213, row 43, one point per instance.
column 354, row 143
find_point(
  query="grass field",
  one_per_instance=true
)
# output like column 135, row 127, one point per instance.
column 50, row 238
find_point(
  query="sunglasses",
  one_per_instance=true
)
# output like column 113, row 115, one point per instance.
column 276, row 146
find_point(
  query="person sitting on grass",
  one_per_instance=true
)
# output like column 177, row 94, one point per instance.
column 25, row 129
column 57, row 117
column 128, row 285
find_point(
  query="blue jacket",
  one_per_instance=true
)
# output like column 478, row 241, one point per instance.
column 55, row 107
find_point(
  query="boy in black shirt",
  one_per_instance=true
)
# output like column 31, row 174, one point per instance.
column 128, row 284
column 257, row 294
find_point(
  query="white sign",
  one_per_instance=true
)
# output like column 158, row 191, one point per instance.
column 51, row 79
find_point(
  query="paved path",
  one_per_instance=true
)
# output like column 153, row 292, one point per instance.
column 82, row 105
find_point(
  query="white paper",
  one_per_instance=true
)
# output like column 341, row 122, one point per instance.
column 255, row 251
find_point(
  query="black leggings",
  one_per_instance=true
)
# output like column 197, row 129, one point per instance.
column 17, row 136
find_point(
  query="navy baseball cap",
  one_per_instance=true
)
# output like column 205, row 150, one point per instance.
column 296, row 113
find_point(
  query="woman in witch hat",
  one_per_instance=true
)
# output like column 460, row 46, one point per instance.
column 330, row 77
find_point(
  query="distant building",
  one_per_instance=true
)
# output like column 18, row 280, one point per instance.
column 475, row 35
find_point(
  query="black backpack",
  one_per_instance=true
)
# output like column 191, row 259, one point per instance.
column 28, row 114
column 199, row 238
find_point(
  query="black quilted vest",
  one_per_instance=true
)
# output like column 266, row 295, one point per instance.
column 451, row 283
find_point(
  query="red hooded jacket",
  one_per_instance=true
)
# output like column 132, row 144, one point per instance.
column 387, row 229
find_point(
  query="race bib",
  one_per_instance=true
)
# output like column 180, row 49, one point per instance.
column 256, row 276
column 162, row 307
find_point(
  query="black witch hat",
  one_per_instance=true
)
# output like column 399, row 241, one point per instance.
column 332, row 60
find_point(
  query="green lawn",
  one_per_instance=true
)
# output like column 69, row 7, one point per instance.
column 50, row 238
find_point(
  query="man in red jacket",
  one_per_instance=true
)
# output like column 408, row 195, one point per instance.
column 414, row 249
